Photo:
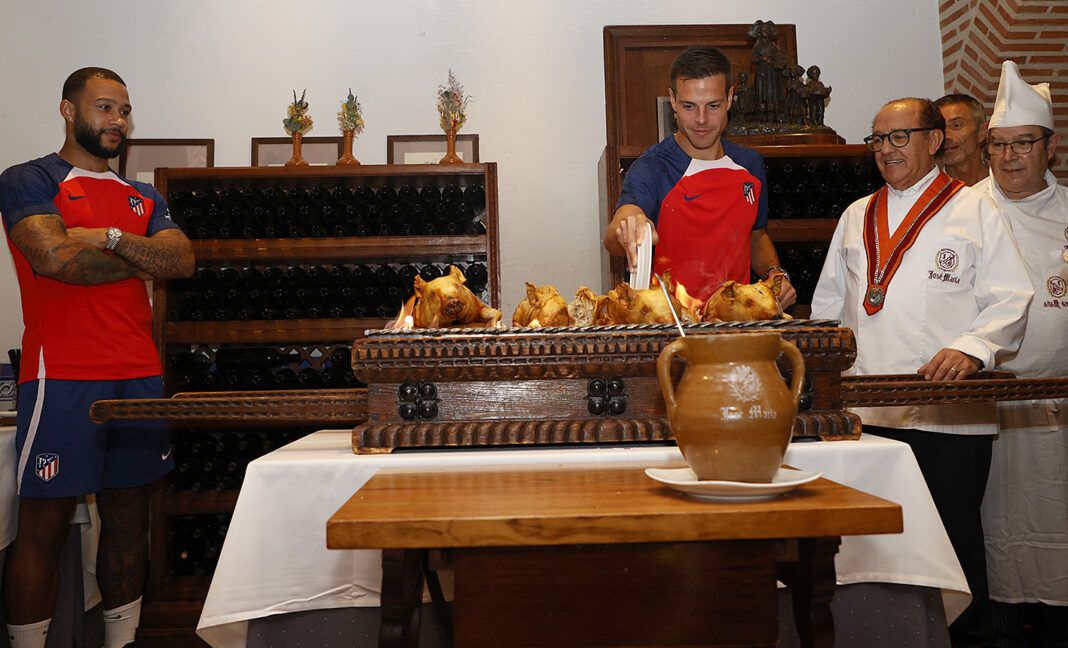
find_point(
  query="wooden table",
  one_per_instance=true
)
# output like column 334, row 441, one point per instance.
column 584, row 556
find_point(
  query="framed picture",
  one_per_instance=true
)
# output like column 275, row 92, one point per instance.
column 665, row 119
column 139, row 158
column 274, row 151
column 428, row 149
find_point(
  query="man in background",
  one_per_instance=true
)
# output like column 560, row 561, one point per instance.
column 1025, row 511
column 927, row 275
column 84, row 241
column 705, row 197
column 966, row 125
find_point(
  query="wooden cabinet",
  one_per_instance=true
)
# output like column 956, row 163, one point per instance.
column 293, row 264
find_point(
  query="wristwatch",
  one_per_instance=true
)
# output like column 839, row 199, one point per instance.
column 779, row 269
column 114, row 236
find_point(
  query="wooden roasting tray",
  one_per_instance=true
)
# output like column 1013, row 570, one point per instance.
column 564, row 385
column 568, row 385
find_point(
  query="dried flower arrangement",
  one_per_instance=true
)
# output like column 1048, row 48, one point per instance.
column 452, row 104
column 350, row 117
column 298, row 121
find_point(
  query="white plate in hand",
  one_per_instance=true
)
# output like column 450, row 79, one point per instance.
column 685, row 481
column 639, row 279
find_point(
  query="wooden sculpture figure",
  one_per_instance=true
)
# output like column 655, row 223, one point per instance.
column 818, row 95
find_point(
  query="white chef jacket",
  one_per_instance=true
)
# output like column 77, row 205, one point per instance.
column 1025, row 509
column 962, row 285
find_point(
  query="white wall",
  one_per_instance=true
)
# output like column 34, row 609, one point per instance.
column 225, row 69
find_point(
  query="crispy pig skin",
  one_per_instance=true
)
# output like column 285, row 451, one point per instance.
column 446, row 302
column 735, row 302
column 543, row 307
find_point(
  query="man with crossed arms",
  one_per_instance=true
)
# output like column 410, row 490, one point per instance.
column 927, row 274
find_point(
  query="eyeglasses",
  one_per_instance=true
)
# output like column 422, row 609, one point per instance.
column 898, row 138
column 1019, row 147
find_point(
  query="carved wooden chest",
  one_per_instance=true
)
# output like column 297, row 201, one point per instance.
column 479, row 387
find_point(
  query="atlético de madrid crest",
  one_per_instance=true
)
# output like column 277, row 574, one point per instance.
column 747, row 191
column 137, row 205
column 46, row 466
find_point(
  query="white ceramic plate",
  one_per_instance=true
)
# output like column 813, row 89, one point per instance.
column 683, row 480
column 639, row 279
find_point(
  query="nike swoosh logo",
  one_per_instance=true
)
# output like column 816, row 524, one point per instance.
column 163, row 457
column 72, row 197
column 688, row 198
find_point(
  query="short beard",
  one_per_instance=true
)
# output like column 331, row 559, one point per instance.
column 89, row 140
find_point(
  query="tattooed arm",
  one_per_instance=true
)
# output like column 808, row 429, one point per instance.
column 167, row 254
column 44, row 241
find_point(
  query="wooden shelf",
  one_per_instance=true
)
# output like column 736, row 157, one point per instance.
column 362, row 247
column 801, row 229
column 173, row 602
column 298, row 330
column 292, row 176
column 199, row 502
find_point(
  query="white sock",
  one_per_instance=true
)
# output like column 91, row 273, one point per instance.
column 120, row 624
column 31, row 635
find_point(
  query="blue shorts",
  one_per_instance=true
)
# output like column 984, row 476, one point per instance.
column 62, row 453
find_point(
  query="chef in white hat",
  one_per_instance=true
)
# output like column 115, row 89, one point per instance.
column 1025, row 510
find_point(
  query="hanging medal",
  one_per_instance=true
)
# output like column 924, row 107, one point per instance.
column 885, row 251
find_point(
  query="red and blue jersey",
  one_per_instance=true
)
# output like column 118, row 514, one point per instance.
column 704, row 211
column 73, row 332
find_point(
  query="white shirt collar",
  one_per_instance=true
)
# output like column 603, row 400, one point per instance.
column 918, row 188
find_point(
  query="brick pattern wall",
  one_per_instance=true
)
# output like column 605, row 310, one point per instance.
column 977, row 35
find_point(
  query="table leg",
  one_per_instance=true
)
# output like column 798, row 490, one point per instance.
column 811, row 581
column 402, row 596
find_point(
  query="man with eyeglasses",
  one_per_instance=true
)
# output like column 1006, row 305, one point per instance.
column 966, row 125
column 1025, row 511
column 927, row 274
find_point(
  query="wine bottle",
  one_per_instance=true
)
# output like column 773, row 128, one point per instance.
column 310, row 379
column 189, row 361
column 452, row 196
column 341, row 356
column 390, row 296
column 476, row 228
column 475, row 197
column 407, row 274
column 286, row 379
column 430, row 272
column 242, row 358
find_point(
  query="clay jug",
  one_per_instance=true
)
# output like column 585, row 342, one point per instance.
column 731, row 413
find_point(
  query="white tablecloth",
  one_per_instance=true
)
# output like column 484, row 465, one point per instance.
column 9, row 501
column 275, row 559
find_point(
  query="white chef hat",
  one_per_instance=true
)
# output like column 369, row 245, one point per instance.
column 1019, row 103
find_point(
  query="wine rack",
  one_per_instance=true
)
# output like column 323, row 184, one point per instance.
column 809, row 186
column 293, row 264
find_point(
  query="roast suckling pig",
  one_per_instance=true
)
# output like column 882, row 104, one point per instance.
column 583, row 306
column 624, row 305
column 735, row 302
column 446, row 302
column 543, row 307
